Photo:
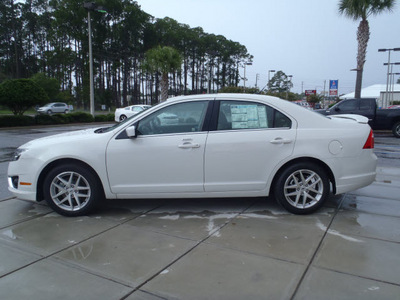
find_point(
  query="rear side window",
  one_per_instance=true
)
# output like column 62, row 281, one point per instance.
column 365, row 104
column 249, row 115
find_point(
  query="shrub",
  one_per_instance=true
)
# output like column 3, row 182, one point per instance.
column 77, row 117
column 21, row 94
column 81, row 117
column 104, row 118
column 13, row 121
column 45, row 120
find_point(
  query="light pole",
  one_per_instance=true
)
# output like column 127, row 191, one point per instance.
column 389, row 91
column 91, row 6
column 248, row 63
column 269, row 72
column 393, row 83
column 384, row 103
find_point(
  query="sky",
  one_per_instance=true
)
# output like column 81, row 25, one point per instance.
column 307, row 39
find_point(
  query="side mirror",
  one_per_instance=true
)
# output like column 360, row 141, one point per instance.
column 131, row 131
column 337, row 108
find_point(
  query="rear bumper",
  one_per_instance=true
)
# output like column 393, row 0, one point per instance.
column 351, row 183
column 359, row 172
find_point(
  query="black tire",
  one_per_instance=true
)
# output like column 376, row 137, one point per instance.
column 396, row 129
column 49, row 112
column 302, row 188
column 66, row 111
column 122, row 118
column 72, row 190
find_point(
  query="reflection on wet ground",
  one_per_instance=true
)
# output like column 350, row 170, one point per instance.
column 6, row 154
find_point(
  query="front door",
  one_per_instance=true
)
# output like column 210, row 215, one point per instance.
column 167, row 156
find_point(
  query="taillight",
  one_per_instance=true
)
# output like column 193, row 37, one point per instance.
column 370, row 143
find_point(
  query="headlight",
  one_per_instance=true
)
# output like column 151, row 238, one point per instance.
column 17, row 153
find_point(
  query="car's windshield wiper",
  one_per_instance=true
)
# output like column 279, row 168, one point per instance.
column 100, row 130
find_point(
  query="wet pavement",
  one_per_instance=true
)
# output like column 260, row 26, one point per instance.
column 205, row 248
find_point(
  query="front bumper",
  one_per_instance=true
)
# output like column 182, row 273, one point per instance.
column 24, row 194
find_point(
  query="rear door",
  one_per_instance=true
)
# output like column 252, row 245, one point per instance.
column 249, row 142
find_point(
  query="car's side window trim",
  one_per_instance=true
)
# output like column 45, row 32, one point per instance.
column 208, row 116
column 204, row 126
column 216, row 110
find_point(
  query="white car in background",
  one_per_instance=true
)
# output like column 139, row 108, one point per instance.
column 201, row 146
column 123, row 113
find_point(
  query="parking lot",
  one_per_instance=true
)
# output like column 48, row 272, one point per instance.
column 204, row 248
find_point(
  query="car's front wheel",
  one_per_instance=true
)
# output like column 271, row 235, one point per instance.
column 396, row 129
column 122, row 118
column 72, row 190
column 302, row 188
column 49, row 112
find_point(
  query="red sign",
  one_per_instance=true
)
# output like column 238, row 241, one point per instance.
column 333, row 93
column 310, row 92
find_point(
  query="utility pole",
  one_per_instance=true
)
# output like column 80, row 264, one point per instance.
column 91, row 6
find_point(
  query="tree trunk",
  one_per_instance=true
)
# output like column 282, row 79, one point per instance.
column 164, row 87
column 362, row 38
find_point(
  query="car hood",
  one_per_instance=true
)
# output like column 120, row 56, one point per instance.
column 67, row 137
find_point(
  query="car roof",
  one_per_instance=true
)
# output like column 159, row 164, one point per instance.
column 239, row 97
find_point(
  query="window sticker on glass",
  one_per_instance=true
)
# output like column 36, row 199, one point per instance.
column 248, row 116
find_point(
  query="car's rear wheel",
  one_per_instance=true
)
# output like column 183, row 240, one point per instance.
column 396, row 129
column 72, row 190
column 302, row 188
column 66, row 111
column 122, row 117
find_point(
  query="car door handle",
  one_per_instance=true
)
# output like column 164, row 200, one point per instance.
column 280, row 141
column 188, row 145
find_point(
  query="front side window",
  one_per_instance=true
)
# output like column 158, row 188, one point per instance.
column 176, row 118
column 249, row 115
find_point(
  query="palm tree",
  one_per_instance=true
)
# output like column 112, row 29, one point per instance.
column 362, row 9
column 163, row 60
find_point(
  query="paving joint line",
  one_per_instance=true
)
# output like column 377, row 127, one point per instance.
column 187, row 252
column 44, row 257
column 316, row 250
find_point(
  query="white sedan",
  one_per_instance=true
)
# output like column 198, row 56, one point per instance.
column 123, row 113
column 222, row 145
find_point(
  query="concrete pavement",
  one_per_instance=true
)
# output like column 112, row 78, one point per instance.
column 206, row 249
